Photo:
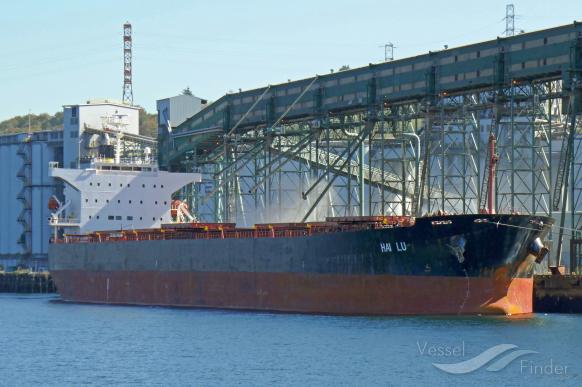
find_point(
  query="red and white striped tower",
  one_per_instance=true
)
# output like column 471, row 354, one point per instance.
column 127, row 87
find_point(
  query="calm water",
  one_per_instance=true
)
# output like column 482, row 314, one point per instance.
column 48, row 343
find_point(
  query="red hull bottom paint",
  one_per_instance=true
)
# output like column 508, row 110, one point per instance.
column 301, row 293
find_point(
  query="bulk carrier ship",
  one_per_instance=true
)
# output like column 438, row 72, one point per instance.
column 450, row 264
column 375, row 265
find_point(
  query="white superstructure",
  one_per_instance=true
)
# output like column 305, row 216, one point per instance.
column 114, row 196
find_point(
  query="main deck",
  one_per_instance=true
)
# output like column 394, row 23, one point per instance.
column 229, row 230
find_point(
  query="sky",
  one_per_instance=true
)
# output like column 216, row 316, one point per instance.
column 59, row 52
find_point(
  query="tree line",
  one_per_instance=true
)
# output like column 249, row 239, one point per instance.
column 44, row 121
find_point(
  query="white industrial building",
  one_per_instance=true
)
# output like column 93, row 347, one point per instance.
column 81, row 122
column 173, row 111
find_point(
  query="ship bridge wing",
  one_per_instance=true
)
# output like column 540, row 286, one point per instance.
column 73, row 177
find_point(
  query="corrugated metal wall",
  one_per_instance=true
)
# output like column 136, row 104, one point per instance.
column 10, row 206
column 43, row 147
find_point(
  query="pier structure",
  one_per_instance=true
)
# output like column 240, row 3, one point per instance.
column 402, row 137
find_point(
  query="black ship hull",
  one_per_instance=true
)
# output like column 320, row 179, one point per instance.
column 461, row 264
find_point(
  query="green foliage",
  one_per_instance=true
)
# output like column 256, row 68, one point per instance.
column 148, row 124
column 187, row 91
column 38, row 122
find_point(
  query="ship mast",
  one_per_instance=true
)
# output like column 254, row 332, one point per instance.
column 489, row 188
